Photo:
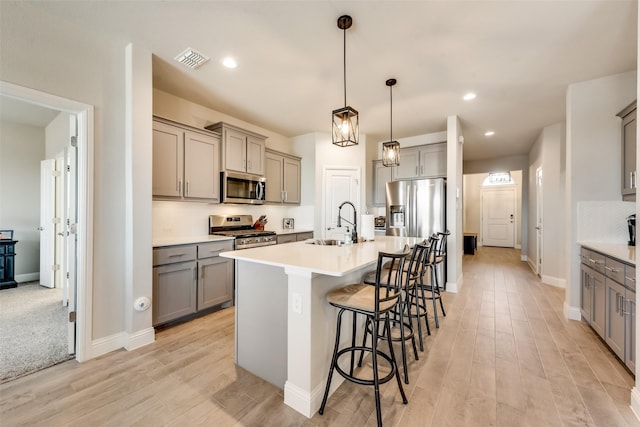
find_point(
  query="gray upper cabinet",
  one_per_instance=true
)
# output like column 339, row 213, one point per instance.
column 186, row 163
column 381, row 175
column 425, row 161
column 283, row 178
column 629, row 174
column 242, row 150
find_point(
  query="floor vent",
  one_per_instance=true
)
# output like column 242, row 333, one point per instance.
column 191, row 58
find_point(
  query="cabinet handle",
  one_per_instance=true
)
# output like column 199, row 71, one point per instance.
column 174, row 255
column 286, row 195
column 416, row 170
column 613, row 270
column 631, row 279
column 179, row 186
column 421, row 170
column 617, row 303
column 187, row 188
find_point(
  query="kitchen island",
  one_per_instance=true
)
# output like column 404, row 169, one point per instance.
column 285, row 329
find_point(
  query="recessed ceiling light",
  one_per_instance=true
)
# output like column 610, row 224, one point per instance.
column 191, row 58
column 489, row 133
column 469, row 96
column 229, row 62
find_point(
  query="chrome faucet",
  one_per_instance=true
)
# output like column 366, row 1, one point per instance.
column 354, row 224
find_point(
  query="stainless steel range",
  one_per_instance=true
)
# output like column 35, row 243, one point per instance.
column 241, row 227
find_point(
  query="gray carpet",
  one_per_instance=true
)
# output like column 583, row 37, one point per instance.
column 33, row 330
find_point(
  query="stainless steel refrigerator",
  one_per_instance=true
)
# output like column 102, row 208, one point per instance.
column 416, row 208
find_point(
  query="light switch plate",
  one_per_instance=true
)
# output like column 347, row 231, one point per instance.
column 296, row 303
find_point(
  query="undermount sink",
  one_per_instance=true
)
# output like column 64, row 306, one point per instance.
column 324, row 242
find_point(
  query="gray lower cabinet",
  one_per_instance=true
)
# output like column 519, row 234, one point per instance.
column 190, row 278
column 294, row 237
column 608, row 302
column 215, row 275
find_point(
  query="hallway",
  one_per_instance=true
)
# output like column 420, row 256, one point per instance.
column 504, row 355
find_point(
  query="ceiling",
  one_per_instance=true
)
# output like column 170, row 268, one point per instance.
column 518, row 56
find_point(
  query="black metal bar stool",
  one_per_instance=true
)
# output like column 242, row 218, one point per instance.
column 376, row 303
column 441, row 257
column 417, row 300
column 429, row 284
column 401, row 323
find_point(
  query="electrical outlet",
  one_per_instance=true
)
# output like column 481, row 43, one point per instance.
column 296, row 303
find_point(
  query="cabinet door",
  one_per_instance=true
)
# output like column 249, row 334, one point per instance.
column 273, row 173
column 599, row 305
column 409, row 164
column 630, row 342
column 255, row 155
column 215, row 281
column 168, row 142
column 202, row 167
column 433, row 161
column 586, row 294
column 629, row 178
column 235, row 150
column 381, row 175
column 291, row 180
column 174, row 291
column 615, row 320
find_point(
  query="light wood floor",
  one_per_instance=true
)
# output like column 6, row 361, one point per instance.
column 504, row 355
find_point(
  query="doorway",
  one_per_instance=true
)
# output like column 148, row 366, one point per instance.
column 498, row 216
column 80, row 214
column 340, row 184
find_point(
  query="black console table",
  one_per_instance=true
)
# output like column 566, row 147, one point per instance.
column 7, row 263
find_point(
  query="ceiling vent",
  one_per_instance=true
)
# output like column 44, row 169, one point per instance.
column 192, row 59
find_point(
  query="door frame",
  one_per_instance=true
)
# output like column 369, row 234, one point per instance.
column 539, row 218
column 85, row 144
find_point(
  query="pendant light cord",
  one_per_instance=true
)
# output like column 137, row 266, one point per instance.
column 391, row 113
column 344, row 64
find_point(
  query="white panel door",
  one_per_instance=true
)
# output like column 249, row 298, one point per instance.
column 340, row 185
column 47, row 222
column 498, row 217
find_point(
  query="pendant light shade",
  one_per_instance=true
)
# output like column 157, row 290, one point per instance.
column 345, row 126
column 391, row 148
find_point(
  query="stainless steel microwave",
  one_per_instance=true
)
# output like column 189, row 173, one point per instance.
column 245, row 188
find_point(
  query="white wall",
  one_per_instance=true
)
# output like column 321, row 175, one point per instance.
column 548, row 152
column 42, row 52
column 22, row 147
column 593, row 152
column 57, row 135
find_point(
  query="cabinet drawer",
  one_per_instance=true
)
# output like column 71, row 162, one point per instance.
column 286, row 238
column 208, row 250
column 173, row 254
column 596, row 261
column 304, row 236
column 585, row 255
column 630, row 277
column 614, row 270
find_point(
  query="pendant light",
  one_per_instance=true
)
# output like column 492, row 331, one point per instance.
column 345, row 120
column 391, row 149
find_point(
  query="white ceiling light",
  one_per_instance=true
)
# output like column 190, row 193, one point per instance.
column 489, row 133
column 469, row 96
column 191, row 58
column 229, row 62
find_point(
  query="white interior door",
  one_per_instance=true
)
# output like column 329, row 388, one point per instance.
column 47, row 222
column 339, row 185
column 70, row 222
column 539, row 221
column 498, row 216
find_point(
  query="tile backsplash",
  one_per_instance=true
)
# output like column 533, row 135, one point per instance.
column 604, row 221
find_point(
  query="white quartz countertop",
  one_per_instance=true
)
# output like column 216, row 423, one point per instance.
column 186, row 240
column 621, row 251
column 328, row 260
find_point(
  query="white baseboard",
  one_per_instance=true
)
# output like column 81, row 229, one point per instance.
column 454, row 287
column 27, row 277
column 518, row 246
column 554, row 281
column 120, row 340
column 140, row 339
column 529, row 261
column 524, row 258
column 635, row 402
column 107, row 344
column 572, row 313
